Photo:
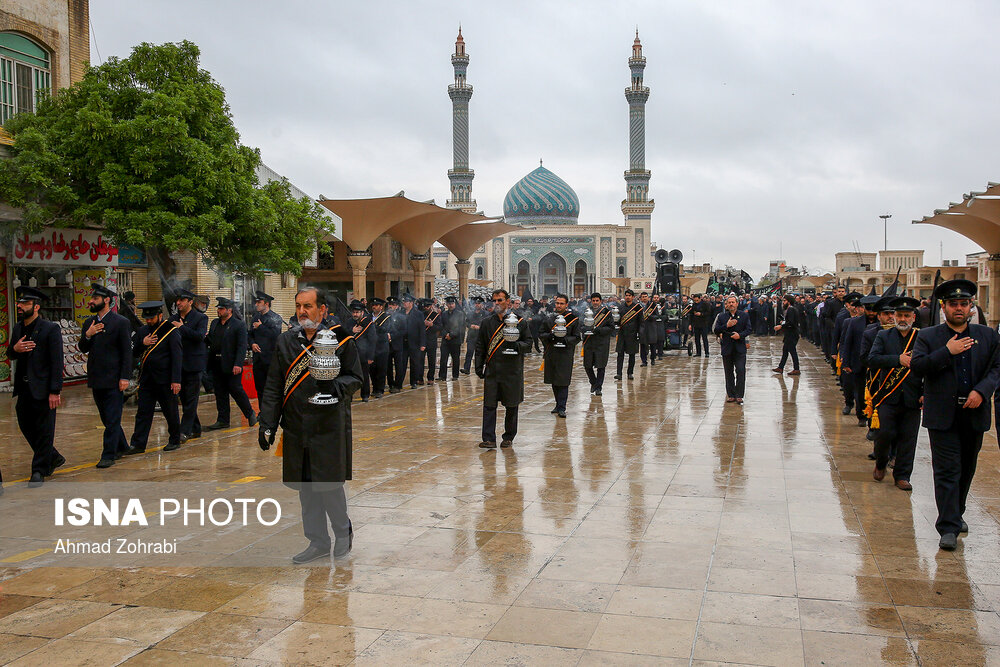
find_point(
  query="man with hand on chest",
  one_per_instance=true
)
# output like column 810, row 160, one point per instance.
column 265, row 327
column 227, row 350
column 159, row 348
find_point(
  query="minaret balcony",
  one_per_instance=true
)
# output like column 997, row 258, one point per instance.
column 460, row 91
column 637, row 94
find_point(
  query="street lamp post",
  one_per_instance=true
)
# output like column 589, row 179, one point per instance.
column 885, row 229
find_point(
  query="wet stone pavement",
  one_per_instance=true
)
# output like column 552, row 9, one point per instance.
column 656, row 525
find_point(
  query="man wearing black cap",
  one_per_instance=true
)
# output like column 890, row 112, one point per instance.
column 597, row 343
column 416, row 342
column 227, row 349
column 896, row 393
column 191, row 325
column 107, row 340
column 628, row 334
column 380, row 366
column 472, row 322
column 433, row 322
column 832, row 307
column 398, row 353
column 36, row 348
column 265, row 327
column 365, row 338
column 960, row 365
column 159, row 349
column 852, row 365
column 452, row 333
column 852, row 308
column 701, row 322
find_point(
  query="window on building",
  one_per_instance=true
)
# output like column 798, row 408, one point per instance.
column 443, row 268
column 25, row 77
column 480, row 273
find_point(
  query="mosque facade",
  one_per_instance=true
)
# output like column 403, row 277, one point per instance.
column 554, row 252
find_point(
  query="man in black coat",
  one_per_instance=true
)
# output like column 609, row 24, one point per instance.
column 398, row 346
column 452, row 333
column 789, row 328
column 827, row 320
column 597, row 343
column 960, row 365
column 159, row 348
column 192, row 326
column 317, row 441
column 559, row 351
column 650, row 329
column 380, row 365
column 896, row 394
column 500, row 364
column 854, row 370
column 227, row 350
column 701, row 322
column 416, row 342
column 265, row 327
column 472, row 321
column 628, row 334
column 733, row 328
column 364, row 331
column 107, row 340
column 36, row 348
column 433, row 323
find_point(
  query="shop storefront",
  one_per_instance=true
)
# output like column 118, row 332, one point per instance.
column 62, row 263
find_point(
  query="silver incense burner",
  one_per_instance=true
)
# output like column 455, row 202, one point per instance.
column 511, row 333
column 588, row 322
column 559, row 330
column 615, row 315
column 324, row 366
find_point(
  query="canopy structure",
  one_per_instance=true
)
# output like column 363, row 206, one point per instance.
column 465, row 240
column 977, row 218
column 417, row 225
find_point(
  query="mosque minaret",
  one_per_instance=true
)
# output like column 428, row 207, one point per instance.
column 460, row 93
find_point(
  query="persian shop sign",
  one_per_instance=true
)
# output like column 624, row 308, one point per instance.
column 65, row 247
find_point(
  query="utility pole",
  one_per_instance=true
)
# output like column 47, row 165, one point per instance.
column 885, row 229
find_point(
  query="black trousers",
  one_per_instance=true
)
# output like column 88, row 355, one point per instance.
column 700, row 336
column 490, row 423
column 650, row 351
column 954, row 454
column 897, row 432
column 109, row 407
column 788, row 348
column 190, row 392
column 379, row 368
column 734, row 365
column 226, row 385
column 318, row 507
column 860, row 404
column 470, row 355
column 621, row 362
column 416, row 367
column 847, row 387
column 397, row 368
column 260, row 371
column 560, row 394
column 366, row 384
column 430, row 361
column 38, row 425
column 596, row 376
column 450, row 349
column 149, row 395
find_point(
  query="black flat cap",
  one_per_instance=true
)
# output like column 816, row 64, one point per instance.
column 96, row 289
column 26, row 293
column 151, row 308
column 955, row 289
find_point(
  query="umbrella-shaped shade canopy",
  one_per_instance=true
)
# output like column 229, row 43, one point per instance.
column 414, row 224
column 977, row 218
column 465, row 240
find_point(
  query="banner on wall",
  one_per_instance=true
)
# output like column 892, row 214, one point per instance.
column 82, row 279
column 64, row 247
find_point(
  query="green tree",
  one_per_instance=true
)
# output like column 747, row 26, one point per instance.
column 145, row 148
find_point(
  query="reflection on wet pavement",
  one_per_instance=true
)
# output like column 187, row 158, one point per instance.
column 657, row 524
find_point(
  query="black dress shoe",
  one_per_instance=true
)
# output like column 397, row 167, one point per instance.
column 56, row 462
column 364, row 400
column 554, row 411
column 216, row 426
column 846, row 409
column 863, row 423
column 184, row 438
column 562, row 413
column 964, row 528
column 597, row 392
column 871, row 456
column 36, row 480
column 343, row 545
column 132, row 451
column 252, row 420
column 870, row 435
column 618, row 377
column 507, row 443
column 488, row 444
column 377, row 396
column 310, row 554
column 105, row 463
column 171, row 446
column 643, row 365
column 630, row 377
column 395, row 390
column 949, row 541
column 465, row 372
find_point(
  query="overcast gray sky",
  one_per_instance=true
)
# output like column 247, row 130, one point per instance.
column 771, row 125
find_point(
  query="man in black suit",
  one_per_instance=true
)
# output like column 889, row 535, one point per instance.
column 733, row 328
column 597, row 343
column 452, row 333
column 158, row 347
column 416, row 342
column 107, row 340
column 192, row 325
column 701, row 322
column 432, row 321
column 854, row 370
column 790, row 326
column 265, row 327
column 227, row 350
column 627, row 343
column 960, row 365
column 379, row 368
column 472, row 322
column 36, row 348
column 364, row 331
column 896, row 394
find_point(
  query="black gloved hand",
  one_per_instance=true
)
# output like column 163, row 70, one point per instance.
column 265, row 439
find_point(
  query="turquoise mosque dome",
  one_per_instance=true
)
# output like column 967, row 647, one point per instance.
column 541, row 198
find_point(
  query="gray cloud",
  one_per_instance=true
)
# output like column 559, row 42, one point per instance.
column 769, row 122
